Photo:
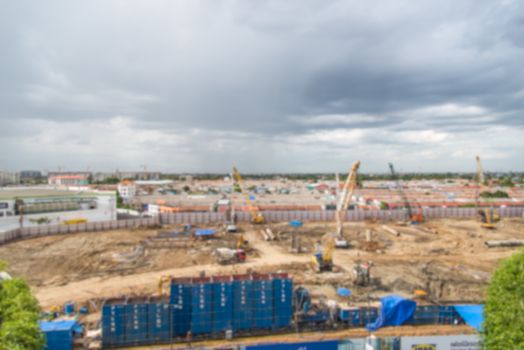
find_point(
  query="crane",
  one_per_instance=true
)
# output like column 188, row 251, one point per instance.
column 256, row 215
column 343, row 204
column 413, row 218
column 487, row 215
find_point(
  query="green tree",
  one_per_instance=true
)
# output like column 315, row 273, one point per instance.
column 504, row 309
column 19, row 314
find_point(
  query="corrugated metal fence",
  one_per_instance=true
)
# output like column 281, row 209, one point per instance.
column 271, row 216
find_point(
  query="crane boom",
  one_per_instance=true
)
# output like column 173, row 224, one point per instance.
column 401, row 191
column 345, row 197
column 256, row 216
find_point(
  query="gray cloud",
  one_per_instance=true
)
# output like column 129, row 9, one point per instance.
column 268, row 85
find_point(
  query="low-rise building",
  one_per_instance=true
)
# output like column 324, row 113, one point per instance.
column 68, row 179
column 127, row 189
column 9, row 178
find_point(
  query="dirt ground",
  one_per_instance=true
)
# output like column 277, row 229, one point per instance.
column 446, row 257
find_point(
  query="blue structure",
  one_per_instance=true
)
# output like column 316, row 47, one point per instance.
column 222, row 289
column 395, row 311
column 242, row 302
column 59, row 334
column 205, row 232
column 262, row 302
column 282, row 300
column 180, row 300
column 319, row 345
column 202, row 306
column 426, row 314
column 351, row 317
column 159, row 316
column 113, row 323
column 136, row 322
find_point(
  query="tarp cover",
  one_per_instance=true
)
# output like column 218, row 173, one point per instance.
column 473, row 315
column 65, row 325
column 395, row 311
column 206, row 232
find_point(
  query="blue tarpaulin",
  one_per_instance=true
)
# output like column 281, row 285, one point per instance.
column 473, row 315
column 59, row 334
column 395, row 311
column 295, row 223
column 206, row 232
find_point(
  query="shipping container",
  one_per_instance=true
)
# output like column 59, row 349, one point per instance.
column 351, row 316
column 368, row 315
column 113, row 323
column 282, row 300
column 262, row 301
column 201, row 306
column 180, row 299
column 136, row 321
column 242, row 302
column 426, row 314
column 222, row 287
column 159, row 315
column 319, row 345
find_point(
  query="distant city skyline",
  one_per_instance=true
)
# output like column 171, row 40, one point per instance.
column 268, row 86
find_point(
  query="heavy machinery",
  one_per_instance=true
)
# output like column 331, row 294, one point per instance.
column 242, row 243
column 413, row 218
column 226, row 256
column 488, row 216
column 256, row 215
column 322, row 260
column 343, row 205
column 361, row 273
column 162, row 281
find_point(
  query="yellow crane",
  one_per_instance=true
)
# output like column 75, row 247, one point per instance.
column 256, row 215
column 343, row 204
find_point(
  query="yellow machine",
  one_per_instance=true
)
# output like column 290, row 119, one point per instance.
column 488, row 216
column 322, row 260
column 161, row 282
column 242, row 243
column 343, row 205
column 256, row 215
column 413, row 218
column 74, row 221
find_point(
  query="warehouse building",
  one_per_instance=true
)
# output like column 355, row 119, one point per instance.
column 46, row 206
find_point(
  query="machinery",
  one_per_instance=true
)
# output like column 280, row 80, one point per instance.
column 361, row 273
column 163, row 280
column 242, row 243
column 343, row 205
column 226, row 256
column 488, row 216
column 322, row 260
column 256, row 215
column 413, row 218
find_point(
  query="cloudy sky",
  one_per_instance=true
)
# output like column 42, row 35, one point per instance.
column 269, row 86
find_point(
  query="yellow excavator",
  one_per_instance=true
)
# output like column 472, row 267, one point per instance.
column 322, row 260
column 488, row 216
column 256, row 216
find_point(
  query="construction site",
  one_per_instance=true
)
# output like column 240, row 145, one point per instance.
column 330, row 273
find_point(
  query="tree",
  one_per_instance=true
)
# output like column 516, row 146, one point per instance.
column 19, row 314
column 504, row 309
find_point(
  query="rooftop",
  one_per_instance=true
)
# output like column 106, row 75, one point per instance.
column 31, row 192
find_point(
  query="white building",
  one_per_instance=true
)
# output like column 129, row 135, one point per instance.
column 127, row 189
column 33, row 206
column 9, row 178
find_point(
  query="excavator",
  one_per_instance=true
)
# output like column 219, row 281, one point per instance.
column 488, row 216
column 343, row 205
column 414, row 218
column 256, row 216
column 322, row 260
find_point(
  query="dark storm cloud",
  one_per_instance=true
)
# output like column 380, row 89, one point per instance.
column 270, row 71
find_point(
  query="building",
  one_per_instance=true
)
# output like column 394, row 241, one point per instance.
column 69, row 179
column 9, row 178
column 127, row 189
column 30, row 175
column 33, row 206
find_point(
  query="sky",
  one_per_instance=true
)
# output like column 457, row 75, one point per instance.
column 268, row 86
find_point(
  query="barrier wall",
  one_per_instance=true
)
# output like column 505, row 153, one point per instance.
column 270, row 216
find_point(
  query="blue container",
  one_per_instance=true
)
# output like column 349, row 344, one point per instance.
column 351, row 317
column 319, row 345
column 159, row 316
column 136, row 321
column 113, row 323
column 318, row 316
column 282, row 300
column 262, row 302
column 242, row 302
column 426, row 314
column 180, row 300
column 367, row 315
column 69, row 308
column 448, row 315
column 222, row 303
column 202, row 306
